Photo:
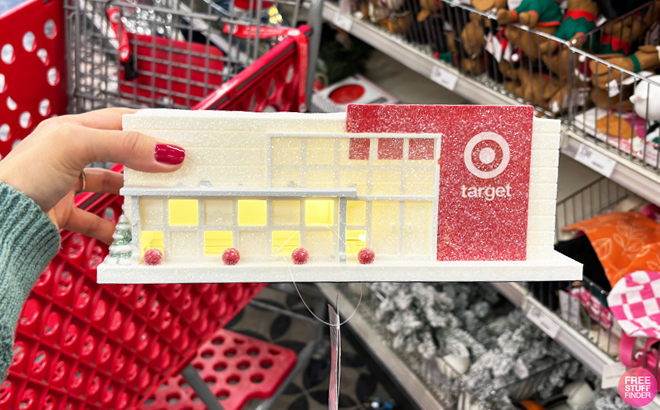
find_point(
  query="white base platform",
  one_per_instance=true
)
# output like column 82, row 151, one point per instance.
column 559, row 267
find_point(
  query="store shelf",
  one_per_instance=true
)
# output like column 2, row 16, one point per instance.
column 573, row 341
column 417, row 60
column 380, row 351
column 626, row 173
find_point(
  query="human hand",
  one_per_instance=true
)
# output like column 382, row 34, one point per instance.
column 46, row 165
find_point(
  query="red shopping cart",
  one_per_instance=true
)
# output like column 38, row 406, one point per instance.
column 80, row 345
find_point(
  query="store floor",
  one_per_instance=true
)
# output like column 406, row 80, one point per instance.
column 309, row 389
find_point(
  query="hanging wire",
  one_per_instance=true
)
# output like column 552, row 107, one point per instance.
column 279, row 249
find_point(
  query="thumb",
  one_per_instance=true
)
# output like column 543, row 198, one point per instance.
column 132, row 149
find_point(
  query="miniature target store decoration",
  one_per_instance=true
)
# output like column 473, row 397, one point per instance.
column 379, row 193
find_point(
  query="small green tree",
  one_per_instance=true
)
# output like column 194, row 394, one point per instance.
column 121, row 250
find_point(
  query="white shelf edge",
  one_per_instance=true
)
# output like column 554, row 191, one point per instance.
column 381, row 352
column 572, row 340
column 628, row 174
column 631, row 176
column 559, row 267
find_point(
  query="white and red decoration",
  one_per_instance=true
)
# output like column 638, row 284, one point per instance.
column 153, row 257
column 436, row 192
column 231, row 256
column 300, row 256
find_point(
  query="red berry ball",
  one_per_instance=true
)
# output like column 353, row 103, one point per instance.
column 231, row 256
column 300, row 256
column 366, row 256
column 153, row 256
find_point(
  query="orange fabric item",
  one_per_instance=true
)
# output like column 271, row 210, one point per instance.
column 531, row 405
column 625, row 242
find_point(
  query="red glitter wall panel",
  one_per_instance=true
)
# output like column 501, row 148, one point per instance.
column 484, row 172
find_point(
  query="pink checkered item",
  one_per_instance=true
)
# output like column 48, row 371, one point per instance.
column 635, row 303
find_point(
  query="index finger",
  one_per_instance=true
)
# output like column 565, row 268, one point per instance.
column 105, row 119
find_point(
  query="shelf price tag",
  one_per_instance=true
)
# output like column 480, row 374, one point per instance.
column 342, row 21
column 444, row 78
column 540, row 319
column 611, row 375
column 595, row 160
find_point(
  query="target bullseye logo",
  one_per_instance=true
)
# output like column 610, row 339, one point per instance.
column 487, row 155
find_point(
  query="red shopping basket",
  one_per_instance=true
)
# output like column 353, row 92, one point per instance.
column 81, row 345
column 237, row 369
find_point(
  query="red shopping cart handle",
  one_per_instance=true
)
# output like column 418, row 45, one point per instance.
column 125, row 56
column 251, row 31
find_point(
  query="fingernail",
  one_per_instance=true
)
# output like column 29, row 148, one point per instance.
column 169, row 154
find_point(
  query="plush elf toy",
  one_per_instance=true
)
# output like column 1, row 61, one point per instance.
column 543, row 15
column 579, row 20
column 533, row 13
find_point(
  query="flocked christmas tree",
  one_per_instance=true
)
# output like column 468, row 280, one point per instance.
column 120, row 250
column 455, row 321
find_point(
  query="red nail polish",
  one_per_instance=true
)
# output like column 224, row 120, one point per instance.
column 169, row 154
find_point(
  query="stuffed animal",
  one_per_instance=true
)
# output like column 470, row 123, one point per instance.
column 542, row 15
column 646, row 99
column 532, row 13
column 579, row 20
column 473, row 66
column 488, row 5
column 429, row 8
column 533, row 87
column 511, row 59
column 645, row 58
column 397, row 23
column 385, row 13
column 620, row 36
column 472, row 35
column 616, row 8
column 617, row 39
column 620, row 102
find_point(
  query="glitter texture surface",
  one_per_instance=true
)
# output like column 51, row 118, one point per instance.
column 484, row 193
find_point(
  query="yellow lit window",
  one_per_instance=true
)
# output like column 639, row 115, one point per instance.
column 284, row 242
column 319, row 212
column 183, row 212
column 215, row 242
column 252, row 212
column 355, row 240
column 356, row 212
column 151, row 239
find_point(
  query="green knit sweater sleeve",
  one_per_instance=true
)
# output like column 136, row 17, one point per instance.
column 28, row 241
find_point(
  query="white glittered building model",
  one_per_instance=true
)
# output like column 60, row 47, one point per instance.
column 380, row 193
